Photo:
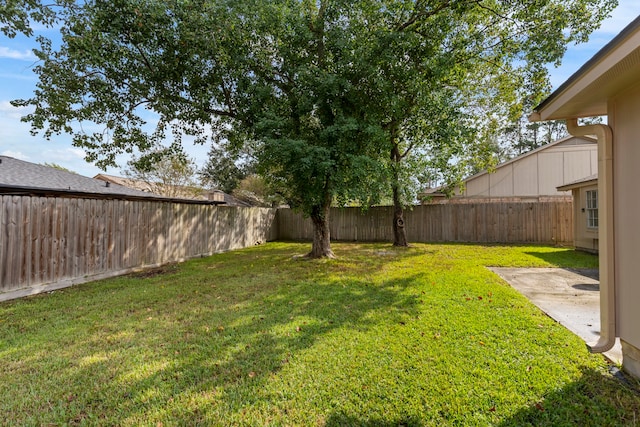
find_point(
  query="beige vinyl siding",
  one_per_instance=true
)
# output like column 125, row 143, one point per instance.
column 525, row 173
column 501, row 182
column 550, row 172
column 539, row 172
column 586, row 238
column 576, row 165
column 625, row 111
column 478, row 186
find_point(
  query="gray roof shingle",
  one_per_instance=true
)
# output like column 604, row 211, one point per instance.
column 19, row 174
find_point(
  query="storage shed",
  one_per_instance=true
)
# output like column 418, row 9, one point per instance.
column 535, row 174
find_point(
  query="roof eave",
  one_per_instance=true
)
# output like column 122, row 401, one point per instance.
column 575, row 98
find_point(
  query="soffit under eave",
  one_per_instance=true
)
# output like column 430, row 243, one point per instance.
column 590, row 93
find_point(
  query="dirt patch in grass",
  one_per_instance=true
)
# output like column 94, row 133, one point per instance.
column 155, row 271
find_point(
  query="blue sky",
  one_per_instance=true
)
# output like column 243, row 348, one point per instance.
column 18, row 81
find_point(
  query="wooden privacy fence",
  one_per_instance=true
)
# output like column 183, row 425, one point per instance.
column 52, row 242
column 49, row 242
column 548, row 222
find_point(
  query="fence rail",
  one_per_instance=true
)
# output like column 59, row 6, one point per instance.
column 52, row 242
column 48, row 243
column 549, row 222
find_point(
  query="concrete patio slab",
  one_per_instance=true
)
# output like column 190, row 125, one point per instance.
column 569, row 296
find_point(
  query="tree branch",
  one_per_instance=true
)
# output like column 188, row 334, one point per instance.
column 422, row 15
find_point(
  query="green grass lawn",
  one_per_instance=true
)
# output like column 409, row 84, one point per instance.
column 378, row 337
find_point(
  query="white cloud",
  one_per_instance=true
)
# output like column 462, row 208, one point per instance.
column 22, row 55
column 15, row 154
column 8, row 111
column 67, row 154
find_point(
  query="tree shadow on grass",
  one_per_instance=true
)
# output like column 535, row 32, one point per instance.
column 596, row 399
column 206, row 360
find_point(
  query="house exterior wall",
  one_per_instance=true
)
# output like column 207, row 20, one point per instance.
column 478, row 187
column 623, row 118
column 522, row 171
column 538, row 173
column 501, row 182
column 550, row 173
column 585, row 238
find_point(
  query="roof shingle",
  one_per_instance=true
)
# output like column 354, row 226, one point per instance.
column 19, row 174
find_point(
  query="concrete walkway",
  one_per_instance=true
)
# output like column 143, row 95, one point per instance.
column 571, row 297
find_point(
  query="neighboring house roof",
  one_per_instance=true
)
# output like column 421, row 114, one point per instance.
column 20, row 175
column 613, row 69
column 174, row 191
column 590, row 180
column 229, row 200
column 181, row 192
column 136, row 184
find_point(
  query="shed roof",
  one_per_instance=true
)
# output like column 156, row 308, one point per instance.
column 613, row 69
column 589, row 180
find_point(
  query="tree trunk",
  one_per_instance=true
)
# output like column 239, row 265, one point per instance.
column 399, row 231
column 321, row 246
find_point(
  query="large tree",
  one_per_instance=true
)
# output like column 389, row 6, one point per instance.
column 329, row 89
column 451, row 72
